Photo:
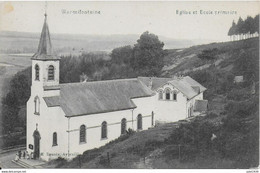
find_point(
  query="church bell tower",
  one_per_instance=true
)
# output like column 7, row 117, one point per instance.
column 45, row 66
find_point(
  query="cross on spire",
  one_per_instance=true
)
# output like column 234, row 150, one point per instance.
column 45, row 14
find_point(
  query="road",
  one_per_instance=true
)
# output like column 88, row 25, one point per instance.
column 6, row 160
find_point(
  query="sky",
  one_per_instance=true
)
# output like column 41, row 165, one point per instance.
column 158, row 17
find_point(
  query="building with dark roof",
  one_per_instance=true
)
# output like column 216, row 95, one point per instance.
column 64, row 120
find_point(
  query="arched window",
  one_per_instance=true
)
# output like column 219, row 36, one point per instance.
column 123, row 126
column 160, row 95
column 139, row 122
column 167, row 94
column 54, row 139
column 51, row 72
column 82, row 133
column 175, row 96
column 36, row 105
column 37, row 72
column 104, row 130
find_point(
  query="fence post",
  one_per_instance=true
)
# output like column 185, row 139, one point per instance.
column 79, row 161
column 179, row 152
column 108, row 159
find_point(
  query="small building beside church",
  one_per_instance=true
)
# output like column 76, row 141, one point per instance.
column 64, row 120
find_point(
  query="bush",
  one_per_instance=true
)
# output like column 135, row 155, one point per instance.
column 239, row 94
column 103, row 160
column 60, row 161
column 123, row 137
column 209, row 54
column 212, row 115
column 90, row 154
column 240, row 133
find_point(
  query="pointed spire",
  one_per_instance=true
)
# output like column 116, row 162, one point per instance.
column 45, row 40
column 45, row 48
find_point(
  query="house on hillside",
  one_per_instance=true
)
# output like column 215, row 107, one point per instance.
column 64, row 120
column 238, row 79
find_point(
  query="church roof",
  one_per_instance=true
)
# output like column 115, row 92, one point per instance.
column 98, row 97
column 188, row 86
column 45, row 51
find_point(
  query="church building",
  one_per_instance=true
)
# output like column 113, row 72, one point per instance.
column 64, row 120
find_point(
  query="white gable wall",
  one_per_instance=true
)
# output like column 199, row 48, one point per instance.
column 170, row 110
column 49, row 121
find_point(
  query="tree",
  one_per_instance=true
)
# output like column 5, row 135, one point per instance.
column 240, row 27
column 148, row 55
column 247, row 28
column 17, row 96
column 121, row 55
column 232, row 30
column 256, row 24
column 249, row 25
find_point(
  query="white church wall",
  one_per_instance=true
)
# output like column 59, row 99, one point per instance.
column 32, row 120
column 145, row 107
column 170, row 110
column 49, row 120
column 37, row 85
column 56, row 73
column 56, row 122
column 93, row 129
column 49, row 93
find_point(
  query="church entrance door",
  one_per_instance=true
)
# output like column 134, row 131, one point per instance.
column 37, row 137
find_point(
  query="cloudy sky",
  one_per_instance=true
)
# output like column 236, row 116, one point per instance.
column 160, row 18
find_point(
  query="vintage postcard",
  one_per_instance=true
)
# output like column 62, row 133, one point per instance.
column 129, row 85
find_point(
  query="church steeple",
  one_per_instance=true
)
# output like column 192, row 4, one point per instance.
column 45, row 65
column 45, row 51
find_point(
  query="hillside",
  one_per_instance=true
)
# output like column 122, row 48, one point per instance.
column 182, row 61
column 233, row 116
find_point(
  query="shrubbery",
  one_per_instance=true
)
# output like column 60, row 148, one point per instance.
column 209, row 54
